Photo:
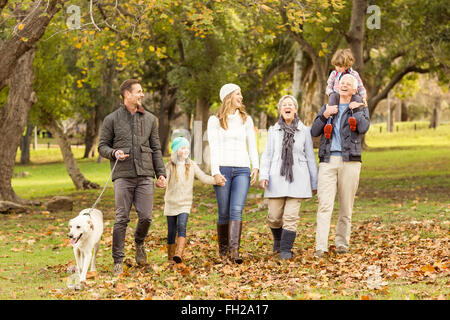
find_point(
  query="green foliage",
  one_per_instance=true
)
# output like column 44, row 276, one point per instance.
column 420, row 42
column 52, row 80
column 196, row 46
column 408, row 86
column 209, row 60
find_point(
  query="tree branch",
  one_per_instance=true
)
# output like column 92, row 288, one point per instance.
column 309, row 49
column 374, row 100
column 24, row 38
column 105, row 18
column 285, row 67
column 3, row 4
column 181, row 49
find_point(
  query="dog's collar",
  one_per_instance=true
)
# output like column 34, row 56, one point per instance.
column 86, row 214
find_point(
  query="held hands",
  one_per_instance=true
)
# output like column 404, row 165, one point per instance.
column 220, row 180
column 119, row 154
column 161, row 182
column 264, row 183
column 254, row 176
column 354, row 105
column 330, row 110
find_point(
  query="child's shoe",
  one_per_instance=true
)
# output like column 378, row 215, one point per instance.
column 181, row 243
column 171, row 252
column 328, row 129
column 352, row 123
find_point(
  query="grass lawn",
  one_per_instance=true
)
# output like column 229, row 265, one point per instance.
column 400, row 225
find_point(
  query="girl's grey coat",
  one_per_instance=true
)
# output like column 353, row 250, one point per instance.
column 304, row 167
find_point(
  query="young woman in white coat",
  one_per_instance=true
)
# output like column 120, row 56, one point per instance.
column 288, row 173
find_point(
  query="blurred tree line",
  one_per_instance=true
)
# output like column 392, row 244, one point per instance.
column 66, row 59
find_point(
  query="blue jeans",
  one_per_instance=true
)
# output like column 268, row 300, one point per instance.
column 176, row 224
column 231, row 197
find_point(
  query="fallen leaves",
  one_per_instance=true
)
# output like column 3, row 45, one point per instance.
column 409, row 251
column 428, row 268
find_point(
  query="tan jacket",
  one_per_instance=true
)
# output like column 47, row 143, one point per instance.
column 179, row 192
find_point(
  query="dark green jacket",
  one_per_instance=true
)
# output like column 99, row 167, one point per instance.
column 136, row 135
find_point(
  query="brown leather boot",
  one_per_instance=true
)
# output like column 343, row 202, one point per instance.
column 178, row 257
column 234, row 239
column 222, row 238
column 141, row 256
column 171, row 251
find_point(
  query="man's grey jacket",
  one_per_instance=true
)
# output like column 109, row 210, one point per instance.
column 136, row 135
column 350, row 140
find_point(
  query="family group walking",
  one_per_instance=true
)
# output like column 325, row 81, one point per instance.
column 287, row 169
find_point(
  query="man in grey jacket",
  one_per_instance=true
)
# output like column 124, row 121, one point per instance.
column 130, row 134
column 340, row 163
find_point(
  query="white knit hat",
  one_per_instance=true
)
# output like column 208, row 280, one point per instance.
column 227, row 89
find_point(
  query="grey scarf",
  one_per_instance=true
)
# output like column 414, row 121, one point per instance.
column 287, row 156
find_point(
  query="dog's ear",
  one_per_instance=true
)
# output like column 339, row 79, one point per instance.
column 91, row 225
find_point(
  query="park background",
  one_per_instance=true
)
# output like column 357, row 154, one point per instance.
column 61, row 65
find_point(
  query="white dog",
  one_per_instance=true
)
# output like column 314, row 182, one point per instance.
column 85, row 233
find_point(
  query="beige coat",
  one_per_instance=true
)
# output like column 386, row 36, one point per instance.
column 179, row 192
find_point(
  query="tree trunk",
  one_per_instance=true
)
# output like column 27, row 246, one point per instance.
column 99, row 158
column 307, row 111
column 398, row 110
column 25, row 145
column 92, row 133
column 436, row 115
column 166, row 115
column 355, row 37
column 202, row 114
column 392, row 118
column 165, row 127
column 75, row 174
column 296, row 83
column 355, row 34
column 34, row 25
column 14, row 115
column 404, row 112
column 105, row 103
column 263, row 120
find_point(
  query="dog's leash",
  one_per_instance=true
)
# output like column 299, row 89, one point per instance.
column 104, row 188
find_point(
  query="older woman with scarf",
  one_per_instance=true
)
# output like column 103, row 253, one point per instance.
column 288, row 173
